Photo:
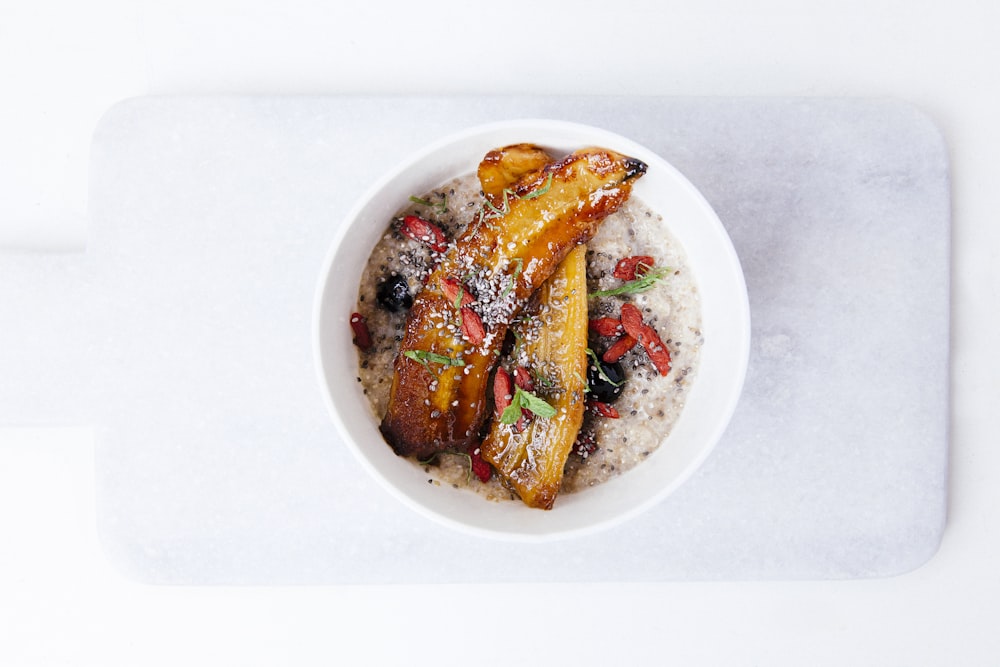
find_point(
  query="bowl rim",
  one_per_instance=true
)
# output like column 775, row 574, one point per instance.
column 741, row 321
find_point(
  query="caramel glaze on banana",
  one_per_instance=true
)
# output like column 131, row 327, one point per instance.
column 502, row 168
column 500, row 260
column 531, row 458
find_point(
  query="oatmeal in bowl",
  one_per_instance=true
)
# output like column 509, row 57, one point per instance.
column 532, row 330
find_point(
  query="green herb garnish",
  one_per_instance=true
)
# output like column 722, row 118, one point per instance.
column 504, row 207
column 600, row 370
column 519, row 266
column 535, row 404
column 425, row 359
column 442, row 207
column 640, row 284
column 518, row 338
column 468, row 461
column 540, row 191
column 527, row 400
column 542, row 380
column 458, row 304
column 498, row 211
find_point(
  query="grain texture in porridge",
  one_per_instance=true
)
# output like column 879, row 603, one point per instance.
column 649, row 404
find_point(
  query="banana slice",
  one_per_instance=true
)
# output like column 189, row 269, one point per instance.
column 438, row 395
column 552, row 339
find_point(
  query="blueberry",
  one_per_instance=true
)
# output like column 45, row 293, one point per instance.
column 394, row 294
column 607, row 382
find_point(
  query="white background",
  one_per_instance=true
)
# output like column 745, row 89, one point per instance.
column 62, row 64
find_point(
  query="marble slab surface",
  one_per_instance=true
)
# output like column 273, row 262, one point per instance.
column 182, row 335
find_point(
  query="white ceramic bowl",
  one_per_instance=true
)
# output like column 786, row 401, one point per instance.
column 712, row 399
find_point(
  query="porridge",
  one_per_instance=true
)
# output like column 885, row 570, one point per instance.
column 631, row 402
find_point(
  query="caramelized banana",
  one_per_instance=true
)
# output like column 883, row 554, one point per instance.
column 502, row 168
column 438, row 396
column 554, row 335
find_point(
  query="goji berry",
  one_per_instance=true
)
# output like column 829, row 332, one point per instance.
column 480, row 468
column 606, row 326
column 362, row 337
column 425, row 232
column 603, row 409
column 586, row 444
column 472, row 326
column 618, row 350
column 633, row 267
column 503, row 391
column 522, row 378
column 647, row 336
column 451, row 289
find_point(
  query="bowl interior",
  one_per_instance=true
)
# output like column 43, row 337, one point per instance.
column 712, row 398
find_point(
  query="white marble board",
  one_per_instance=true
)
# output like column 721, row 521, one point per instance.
column 182, row 336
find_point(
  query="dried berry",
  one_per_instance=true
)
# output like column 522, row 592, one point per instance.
column 633, row 267
column 603, row 409
column 618, row 350
column 456, row 293
column 425, row 232
column 522, row 378
column 606, row 381
column 480, row 468
column 647, row 336
column 362, row 337
column 606, row 326
column 503, row 391
column 586, row 444
column 472, row 326
column 393, row 294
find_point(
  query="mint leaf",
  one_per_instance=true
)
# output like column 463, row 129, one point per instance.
column 534, row 404
column 512, row 412
column 425, row 359
column 441, row 359
column 527, row 400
